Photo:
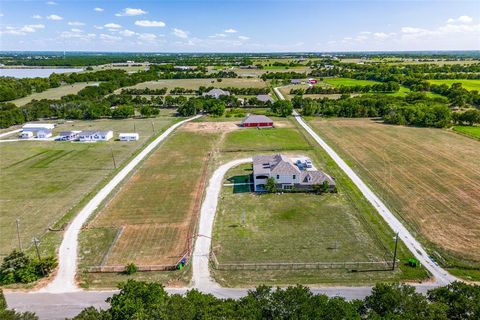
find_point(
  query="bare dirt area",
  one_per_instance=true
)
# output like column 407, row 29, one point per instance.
column 429, row 177
column 211, row 127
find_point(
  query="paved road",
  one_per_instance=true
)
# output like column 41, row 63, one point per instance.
column 441, row 275
column 64, row 280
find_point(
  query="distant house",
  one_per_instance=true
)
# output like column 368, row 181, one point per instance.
column 128, row 136
column 184, row 68
column 288, row 173
column 26, row 135
column 295, row 81
column 264, row 98
column 43, row 134
column 257, row 121
column 35, row 127
column 68, row 135
column 86, row 136
column 216, row 93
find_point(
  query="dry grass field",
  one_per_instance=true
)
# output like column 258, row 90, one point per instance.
column 43, row 182
column 196, row 83
column 54, row 93
column 157, row 207
column 429, row 177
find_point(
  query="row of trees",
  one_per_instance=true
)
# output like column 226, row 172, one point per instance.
column 414, row 109
column 390, row 86
column 140, row 300
column 145, row 91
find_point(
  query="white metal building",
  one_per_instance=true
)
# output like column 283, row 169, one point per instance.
column 43, row 134
column 95, row 135
column 128, row 136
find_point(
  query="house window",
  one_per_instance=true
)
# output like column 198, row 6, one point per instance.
column 294, row 177
column 278, row 177
column 287, row 187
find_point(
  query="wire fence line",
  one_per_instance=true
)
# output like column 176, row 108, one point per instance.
column 348, row 265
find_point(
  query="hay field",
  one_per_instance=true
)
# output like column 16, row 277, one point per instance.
column 429, row 177
column 53, row 93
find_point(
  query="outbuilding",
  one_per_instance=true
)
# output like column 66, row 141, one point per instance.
column 257, row 121
column 68, row 135
column 128, row 136
column 86, row 136
column 44, row 134
column 26, row 135
column 265, row 98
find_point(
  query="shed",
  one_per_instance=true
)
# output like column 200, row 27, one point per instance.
column 257, row 121
column 128, row 136
column 264, row 98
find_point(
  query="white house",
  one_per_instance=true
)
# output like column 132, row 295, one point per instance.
column 85, row 136
column 128, row 136
column 287, row 173
column 34, row 127
column 43, row 134
column 68, row 135
column 26, row 135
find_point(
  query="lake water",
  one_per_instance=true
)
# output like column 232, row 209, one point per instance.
column 34, row 72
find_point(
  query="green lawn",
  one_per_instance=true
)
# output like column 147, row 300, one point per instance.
column 265, row 139
column 43, row 183
column 54, row 93
column 468, row 130
column 469, row 84
column 348, row 82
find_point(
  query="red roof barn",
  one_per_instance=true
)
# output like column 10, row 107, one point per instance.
column 257, row 121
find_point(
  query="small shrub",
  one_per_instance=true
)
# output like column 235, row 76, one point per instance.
column 130, row 268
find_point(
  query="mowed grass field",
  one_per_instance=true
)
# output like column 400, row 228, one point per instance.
column 339, row 227
column 43, row 182
column 469, row 84
column 153, row 214
column 472, row 131
column 246, row 139
column 54, row 93
column 429, row 177
column 348, row 82
column 196, row 83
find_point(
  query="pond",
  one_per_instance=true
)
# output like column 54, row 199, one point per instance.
column 34, row 72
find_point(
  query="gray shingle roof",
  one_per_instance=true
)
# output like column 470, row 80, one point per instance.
column 215, row 92
column 277, row 164
column 264, row 98
column 254, row 118
column 315, row 177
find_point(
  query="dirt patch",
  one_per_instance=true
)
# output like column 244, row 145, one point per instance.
column 210, row 127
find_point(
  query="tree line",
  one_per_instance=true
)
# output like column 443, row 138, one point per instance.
column 140, row 300
column 389, row 86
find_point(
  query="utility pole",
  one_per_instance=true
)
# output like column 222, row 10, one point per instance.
column 395, row 252
column 18, row 234
column 153, row 127
column 35, row 241
column 134, row 127
column 113, row 158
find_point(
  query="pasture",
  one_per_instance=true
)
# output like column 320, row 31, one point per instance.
column 469, row 84
column 347, row 82
column 429, row 177
column 150, row 220
column 53, row 93
column 196, row 83
column 468, row 130
column 249, row 139
column 43, row 183
column 338, row 227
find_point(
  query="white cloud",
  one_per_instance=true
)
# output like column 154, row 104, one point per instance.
column 149, row 23
column 130, row 12
column 244, row 38
column 180, row 33
column 76, row 30
column 37, row 16
column 51, row 3
column 112, row 25
column 21, row 31
column 1, row 14
column 383, row 35
column 127, row 33
column 98, row 27
column 97, row 9
column 109, row 38
column 54, row 17
column 77, row 35
column 218, row 35
column 76, row 23
column 230, row 31
column 461, row 19
column 147, row 37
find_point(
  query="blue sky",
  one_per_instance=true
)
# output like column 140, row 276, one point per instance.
column 239, row 26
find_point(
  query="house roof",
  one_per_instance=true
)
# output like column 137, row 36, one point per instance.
column 38, row 126
column 68, row 133
column 91, row 133
column 315, row 177
column 253, row 118
column 274, row 164
column 264, row 98
column 217, row 92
